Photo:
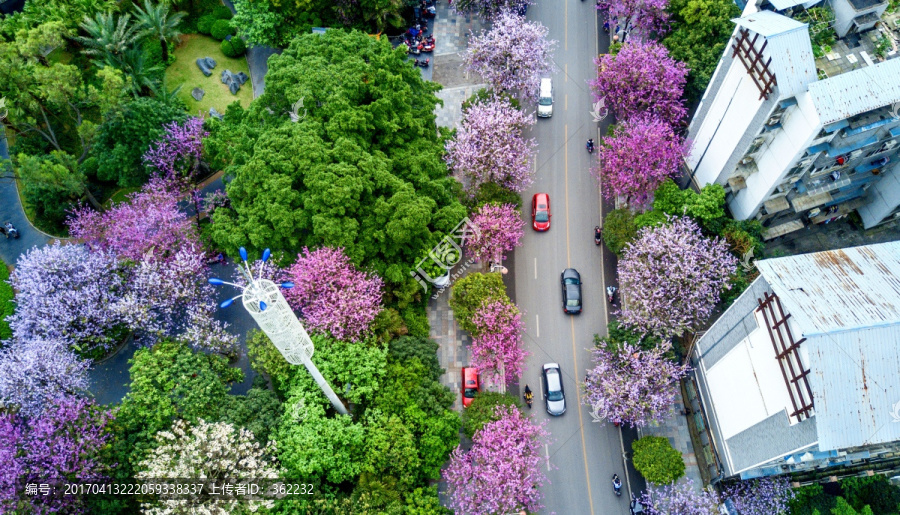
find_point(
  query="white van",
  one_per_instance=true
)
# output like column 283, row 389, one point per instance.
column 545, row 99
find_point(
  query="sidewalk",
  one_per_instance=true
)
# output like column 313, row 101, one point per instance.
column 675, row 428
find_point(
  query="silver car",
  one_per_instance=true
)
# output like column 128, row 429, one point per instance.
column 554, row 393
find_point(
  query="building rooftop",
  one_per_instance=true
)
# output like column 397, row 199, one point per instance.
column 858, row 51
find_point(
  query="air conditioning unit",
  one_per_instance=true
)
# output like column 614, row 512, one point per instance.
column 890, row 144
column 746, row 160
column 855, row 154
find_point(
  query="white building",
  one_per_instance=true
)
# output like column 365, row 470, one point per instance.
column 802, row 372
column 795, row 139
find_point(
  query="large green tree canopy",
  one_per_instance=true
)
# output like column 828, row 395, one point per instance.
column 360, row 169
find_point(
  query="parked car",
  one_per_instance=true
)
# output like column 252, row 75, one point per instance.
column 540, row 211
column 471, row 385
column 571, row 291
column 554, row 394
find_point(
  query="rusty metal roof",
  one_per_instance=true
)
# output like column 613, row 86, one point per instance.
column 839, row 290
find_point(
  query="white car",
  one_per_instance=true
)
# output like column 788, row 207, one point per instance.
column 545, row 99
column 554, row 394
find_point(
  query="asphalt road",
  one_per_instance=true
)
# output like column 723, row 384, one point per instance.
column 583, row 455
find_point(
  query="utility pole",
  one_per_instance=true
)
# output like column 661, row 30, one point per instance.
column 262, row 298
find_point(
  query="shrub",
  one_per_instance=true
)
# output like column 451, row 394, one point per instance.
column 473, row 290
column 656, row 460
column 619, row 229
column 484, row 95
column 492, row 192
column 234, row 48
column 221, row 28
column 222, row 13
column 481, row 411
column 205, row 23
column 876, row 491
column 416, row 319
column 6, row 302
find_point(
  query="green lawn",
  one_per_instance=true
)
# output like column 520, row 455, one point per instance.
column 184, row 71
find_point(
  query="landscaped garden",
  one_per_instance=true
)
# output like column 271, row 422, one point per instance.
column 184, row 72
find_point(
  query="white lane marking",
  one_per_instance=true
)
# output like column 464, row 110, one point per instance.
column 535, row 268
column 537, row 325
column 547, row 452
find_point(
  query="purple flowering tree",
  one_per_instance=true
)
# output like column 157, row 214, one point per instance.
column 640, row 79
column 513, row 55
column 177, row 153
column 673, row 276
column 65, row 293
column 33, row 373
column 149, row 221
column 500, row 230
column 766, row 496
column 488, row 8
column 173, row 299
column 332, row 294
column 62, row 443
column 642, row 153
column 503, row 471
column 490, row 147
column 680, row 498
column 640, row 18
column 497, row 341
column 631, row 386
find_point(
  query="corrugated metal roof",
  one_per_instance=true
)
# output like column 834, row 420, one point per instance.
column 793, row 63
column 781, row 5
column 838, row 290
column 855, row 387
column 858, row 91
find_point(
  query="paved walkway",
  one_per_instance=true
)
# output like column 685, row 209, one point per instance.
column 11, row 211
column 257, row 61
column 675, row 428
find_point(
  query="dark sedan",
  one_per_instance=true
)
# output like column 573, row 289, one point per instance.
column 571, row 291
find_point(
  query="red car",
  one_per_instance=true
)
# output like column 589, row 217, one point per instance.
column 540, row 211
column 470, row 385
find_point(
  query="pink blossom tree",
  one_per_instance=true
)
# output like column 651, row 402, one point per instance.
column 65, row 293
column 640, row 18
column 629, row 385
column 497, row 341
column 490, row 147
column 641, row 79
column 149, row 221
column 673, row 276
column 680, row 498
column 642, row 153
column 34, row 373
column 60, row 444
column 500, row 230
column 177, row 152
column 513, row 55
column 171, row 298
column 502, row 472
column 765, row 496
column 332, row 294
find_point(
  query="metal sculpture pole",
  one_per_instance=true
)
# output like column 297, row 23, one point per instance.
column 268, row 307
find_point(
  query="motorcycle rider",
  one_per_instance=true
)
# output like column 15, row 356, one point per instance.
column 590, row 145
column 617, row 484
column 598, row 233
column 528, row 396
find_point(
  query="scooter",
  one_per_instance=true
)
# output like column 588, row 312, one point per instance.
column 427, row 45
column 611, row 294
column 412, row 48
column 617, row 485
column 11, row 231
column 598, row 235
column 423, row 64
column 529, row 396
column 589, row 146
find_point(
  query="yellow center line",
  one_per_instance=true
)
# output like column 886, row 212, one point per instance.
column 587, row 474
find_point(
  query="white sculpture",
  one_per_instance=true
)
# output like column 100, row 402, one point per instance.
column 271, row 311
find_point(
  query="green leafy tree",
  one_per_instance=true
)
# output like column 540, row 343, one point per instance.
column 258, row 411
column 361, row 169
column 700, row 29
column 482, row 411
column 811, row 500
column 423, row 349
column 875, row 491
column 707, row 207
column 391, row 450
column 490, row 192
column 125, row 135
column 55, row 102
column 619, row 230
column 266, row 359
column 39, row 41
column 473, row 290
column 656, row 460
column 168, row 381
column 618, row 335
column 68, row 13
column 842, row 507
column 52, row 183
column 158, row 22
column 7, row 306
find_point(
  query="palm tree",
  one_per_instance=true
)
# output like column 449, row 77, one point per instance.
column 143, row 76
column 156, row 21
column 108, row 38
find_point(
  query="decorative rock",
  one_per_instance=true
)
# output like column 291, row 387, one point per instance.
column 233, row 81
column 197, row 93
column 214, row 113
column 242, row 77
column 206, row 64
column 234, row 87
